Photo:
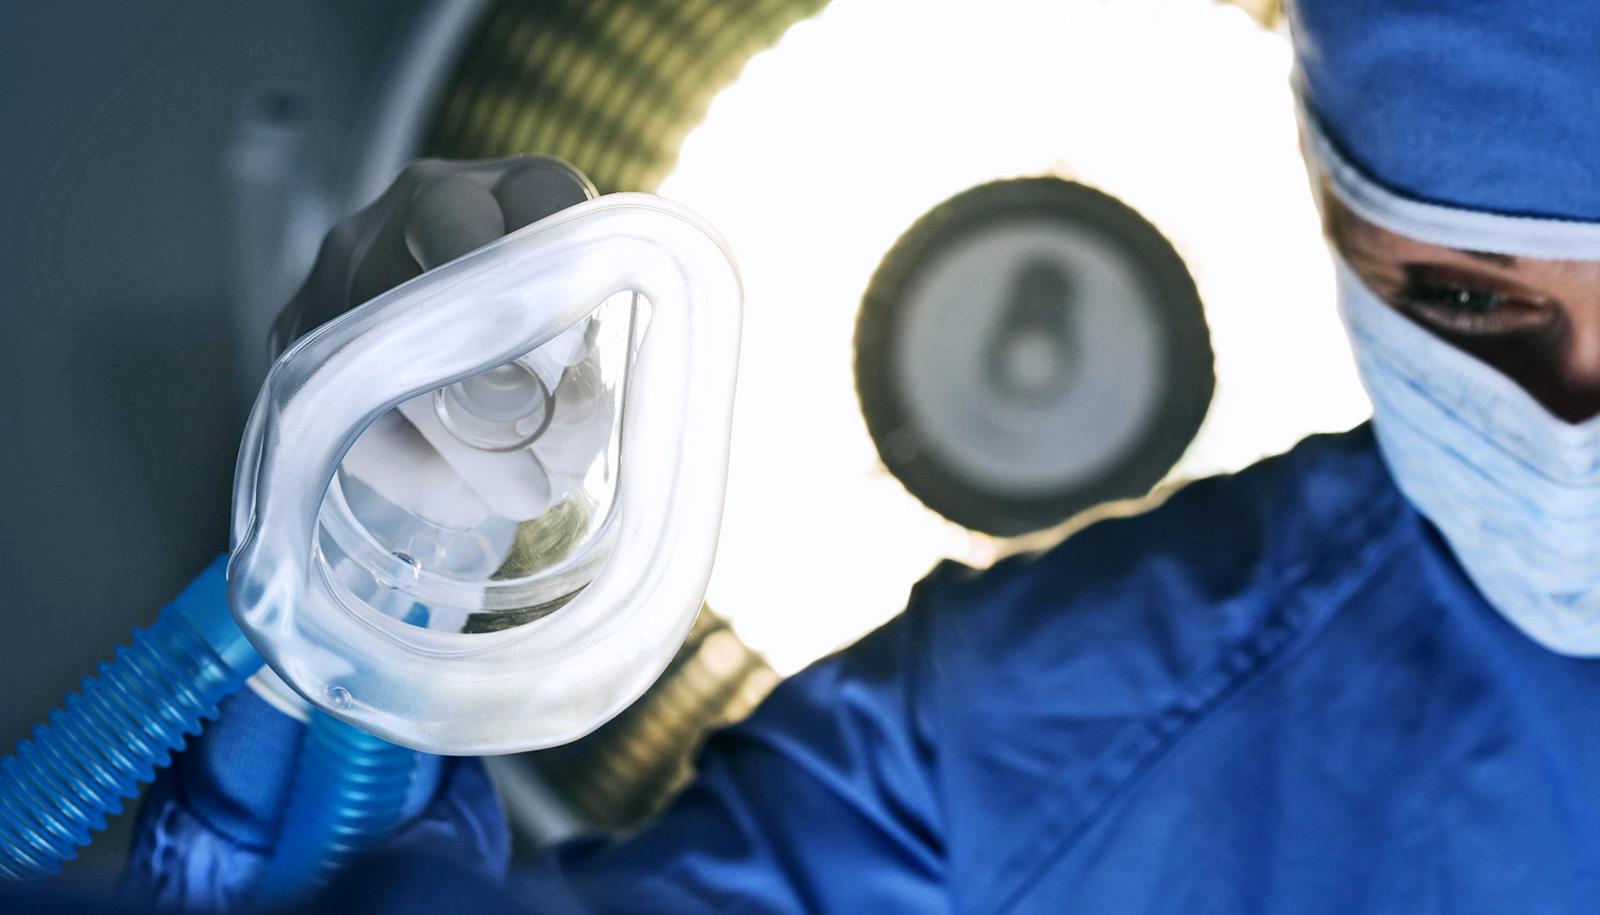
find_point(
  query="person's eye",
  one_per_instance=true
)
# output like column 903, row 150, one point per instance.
column 1467, row 306
column 1454, row 297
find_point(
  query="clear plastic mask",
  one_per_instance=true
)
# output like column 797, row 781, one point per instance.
column 485, row 504
column 477, row 514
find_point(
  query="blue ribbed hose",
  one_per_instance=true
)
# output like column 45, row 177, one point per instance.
column 350, row 791
column 112, row 735
column 108, row 739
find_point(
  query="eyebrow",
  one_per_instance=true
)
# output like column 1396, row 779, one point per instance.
column 1502, row 260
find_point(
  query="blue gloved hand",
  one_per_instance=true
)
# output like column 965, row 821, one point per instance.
column 207, row 825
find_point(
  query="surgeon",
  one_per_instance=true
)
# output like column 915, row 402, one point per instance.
column 1359, row 677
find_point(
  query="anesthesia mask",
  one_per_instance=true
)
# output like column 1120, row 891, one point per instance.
column 477, row 514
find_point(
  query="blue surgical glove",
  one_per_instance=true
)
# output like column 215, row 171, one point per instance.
column 206, row 827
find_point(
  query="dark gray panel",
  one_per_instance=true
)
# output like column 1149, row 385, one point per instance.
column 126, row 129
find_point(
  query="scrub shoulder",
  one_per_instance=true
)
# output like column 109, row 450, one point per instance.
column 942, row 756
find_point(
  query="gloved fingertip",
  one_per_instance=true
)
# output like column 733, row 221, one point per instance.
column 537, row 187
column 450, row 216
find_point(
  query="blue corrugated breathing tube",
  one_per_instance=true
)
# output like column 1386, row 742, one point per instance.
column 109, row 738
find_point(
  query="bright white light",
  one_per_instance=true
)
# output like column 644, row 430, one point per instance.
column 831, row 144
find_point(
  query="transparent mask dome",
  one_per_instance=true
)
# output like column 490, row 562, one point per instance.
column 477, row 514
column 487, row 503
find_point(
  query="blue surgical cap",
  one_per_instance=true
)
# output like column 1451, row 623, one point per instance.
column 1489, row 106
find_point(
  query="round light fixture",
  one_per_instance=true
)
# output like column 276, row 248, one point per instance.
column 1028, row 349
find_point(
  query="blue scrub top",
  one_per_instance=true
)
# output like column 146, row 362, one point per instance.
column 1275, row 693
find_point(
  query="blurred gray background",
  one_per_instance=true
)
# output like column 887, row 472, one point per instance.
column 166, row 174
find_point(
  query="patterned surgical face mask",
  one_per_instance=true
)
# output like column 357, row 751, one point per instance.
column 1514, row 490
